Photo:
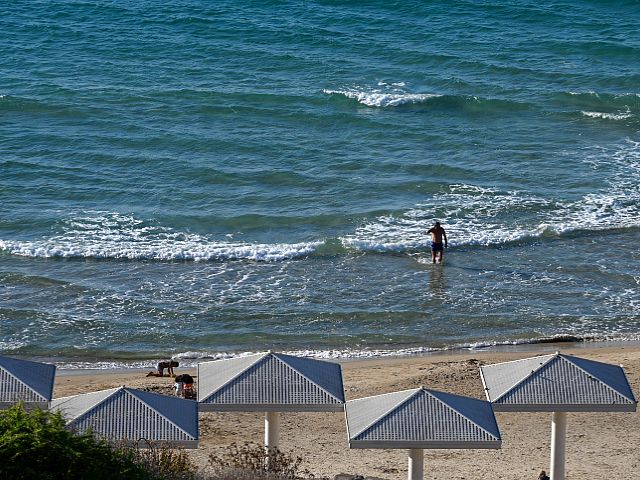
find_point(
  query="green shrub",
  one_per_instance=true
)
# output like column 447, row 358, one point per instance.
column 36, row 445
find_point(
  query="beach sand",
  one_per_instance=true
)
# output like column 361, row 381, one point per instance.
column 598, row 445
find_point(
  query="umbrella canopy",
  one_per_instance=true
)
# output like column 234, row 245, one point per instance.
column 419, row 419
column 29, row 382
column 270, row 382
column 557, row 383
column 129, row 415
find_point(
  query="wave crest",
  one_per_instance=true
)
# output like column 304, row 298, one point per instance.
column 115, row 236
column 382, row 99
column 609, row 116
column 485, row 216
column 473, row 215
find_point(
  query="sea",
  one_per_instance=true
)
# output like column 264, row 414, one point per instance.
column 200, row 180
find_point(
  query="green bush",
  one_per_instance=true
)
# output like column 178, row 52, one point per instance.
column 36, row 445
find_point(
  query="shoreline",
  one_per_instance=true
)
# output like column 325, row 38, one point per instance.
column 598, row 445
column 547, row 347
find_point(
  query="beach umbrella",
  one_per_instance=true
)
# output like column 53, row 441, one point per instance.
column 559, row 384
column 421, row 419
column 25, row 381
column 126, row 415
column 271, row 383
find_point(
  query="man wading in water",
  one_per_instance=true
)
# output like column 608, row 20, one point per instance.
column 437, row 234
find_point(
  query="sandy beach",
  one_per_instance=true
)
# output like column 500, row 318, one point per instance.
column 598, row 445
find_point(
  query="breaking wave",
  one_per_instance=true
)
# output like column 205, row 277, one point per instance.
column 609, row 116
column 394, row 95
column 473, row 215
column 116, row 236
column 383, row 99
column 486, row 216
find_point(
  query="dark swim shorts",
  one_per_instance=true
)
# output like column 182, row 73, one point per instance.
column 436, row 247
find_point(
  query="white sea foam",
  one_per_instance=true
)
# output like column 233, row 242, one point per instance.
column 377, row 98
column 473, row 215
column 472, row 218
column 609, row 116
column 590, row 92
column 192, row 359
column 382, row 83
column 481, row 216
column 113, row 236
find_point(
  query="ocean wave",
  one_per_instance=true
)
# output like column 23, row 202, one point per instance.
column 488, row 221
column 606, row 95
column 477, row 216
column 116, row 236
column 609, row 116
column 470, row 219
column 473, row 216
column 383, row 99
column 394, row 96
column 612, row 106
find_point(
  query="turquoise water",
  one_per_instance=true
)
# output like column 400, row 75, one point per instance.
column 202, row 179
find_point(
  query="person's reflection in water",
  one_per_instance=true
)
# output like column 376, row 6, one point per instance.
column 436, row 282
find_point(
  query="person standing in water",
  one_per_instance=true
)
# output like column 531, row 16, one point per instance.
column 437, row 247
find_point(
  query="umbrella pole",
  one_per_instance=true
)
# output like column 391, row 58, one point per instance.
column 558, row 442
column 271, row 433
column 416, row 464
